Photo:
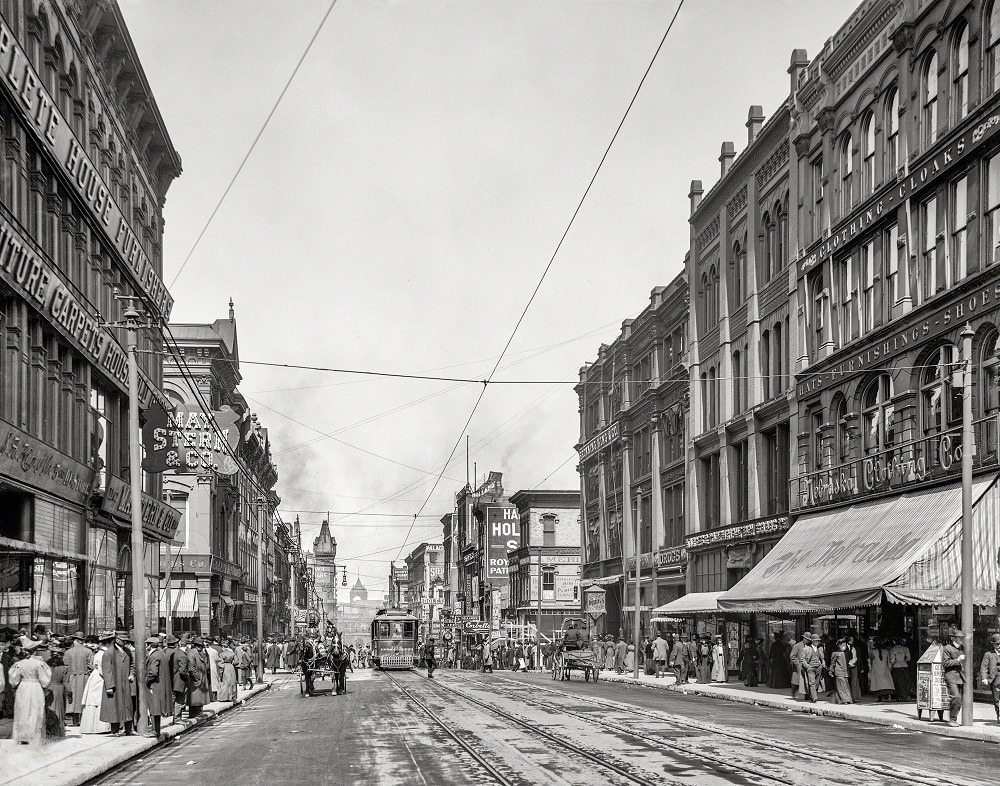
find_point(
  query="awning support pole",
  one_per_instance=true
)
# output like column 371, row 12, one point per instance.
column 968, row 578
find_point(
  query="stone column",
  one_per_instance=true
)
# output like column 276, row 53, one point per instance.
column 659, row 535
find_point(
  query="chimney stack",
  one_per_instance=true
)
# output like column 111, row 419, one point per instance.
column 726, row 157
column 694, row 195
column 797, row 68
column 755, row 120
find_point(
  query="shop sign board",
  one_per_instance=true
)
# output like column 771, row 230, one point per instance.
column 595, row 600
column 607, row 437
column 25, row 270
column 476, row 626
column 26, row 91
column 159, row 520
column 503, row 528
column 671, row 557
column 185, row 439
column 25, row 459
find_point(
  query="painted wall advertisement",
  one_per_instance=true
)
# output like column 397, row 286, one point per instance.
column 503, row 528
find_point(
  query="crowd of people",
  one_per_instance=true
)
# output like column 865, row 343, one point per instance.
column 49, row 682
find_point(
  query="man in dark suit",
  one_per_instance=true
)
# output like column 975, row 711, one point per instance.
column 953, row 657
column 178, row 670
column 307, row 662
column 679, row 659
column 989, row 671
column 159, row 682
column 118, row 671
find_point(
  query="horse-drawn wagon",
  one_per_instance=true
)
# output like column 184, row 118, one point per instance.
column 573, row 652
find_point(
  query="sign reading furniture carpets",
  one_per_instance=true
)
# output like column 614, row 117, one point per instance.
column 26, row 92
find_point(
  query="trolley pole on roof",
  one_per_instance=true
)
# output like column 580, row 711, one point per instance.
column 968, row 566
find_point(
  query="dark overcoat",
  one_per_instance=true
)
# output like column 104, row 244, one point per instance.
column 161, row 683
column 199, row 686
column 116, row 668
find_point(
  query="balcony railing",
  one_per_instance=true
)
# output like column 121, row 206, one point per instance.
column 907, row 464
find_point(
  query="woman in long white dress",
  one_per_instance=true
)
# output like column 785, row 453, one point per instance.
column 30, row 676
column 90, row 721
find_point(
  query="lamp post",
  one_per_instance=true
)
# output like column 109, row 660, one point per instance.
column 261, row 507
column 968, row 568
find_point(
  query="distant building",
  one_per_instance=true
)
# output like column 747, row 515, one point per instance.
column 545, row 568
column 324, row 554
column 354, row 617
column 399, row 596
column 426, row 581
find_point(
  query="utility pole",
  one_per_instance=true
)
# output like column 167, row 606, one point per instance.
column 261, row 506
column 968, row 568
column 140, row 632
column 638, row 574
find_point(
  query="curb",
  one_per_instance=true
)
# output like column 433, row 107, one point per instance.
column 83, row 775
column 829, row 711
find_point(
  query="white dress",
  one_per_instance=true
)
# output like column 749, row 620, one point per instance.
column 90, row 720
column 30, row 676
column 879, row 672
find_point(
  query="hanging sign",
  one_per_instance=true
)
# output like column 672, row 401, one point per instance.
column 187, row 440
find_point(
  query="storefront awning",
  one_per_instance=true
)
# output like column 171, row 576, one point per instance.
column 906, row 549
column 600, row 580
column 691, row 604
column 183, row 601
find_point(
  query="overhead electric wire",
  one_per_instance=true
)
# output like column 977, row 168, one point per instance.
column 253, row 144
column 552, row 259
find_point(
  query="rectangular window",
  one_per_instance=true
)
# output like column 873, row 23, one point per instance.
column 741, row 473
column 846, row 286
column 776, row 468
column 818, row 190
column 992, row 211
column 890, row 257
column 958, row 268
column 548, row 530
column 711, row 491
column 548, row 583
column 869, row 306
column 928, row 247
column 816, row 435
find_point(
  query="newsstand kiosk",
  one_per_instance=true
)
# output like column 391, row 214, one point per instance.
column 931, row 691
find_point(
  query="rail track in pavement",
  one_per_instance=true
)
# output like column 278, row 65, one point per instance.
column 528, row 693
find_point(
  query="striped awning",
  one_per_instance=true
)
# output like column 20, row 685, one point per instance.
column 601, row 580
column 183, row 601
column 905, row 549
column 691, row 604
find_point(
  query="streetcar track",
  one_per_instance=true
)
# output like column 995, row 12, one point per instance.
column 686, row 724
column 601, row 760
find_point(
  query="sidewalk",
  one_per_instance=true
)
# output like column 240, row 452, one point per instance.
column 76, row 758
column 897, row 714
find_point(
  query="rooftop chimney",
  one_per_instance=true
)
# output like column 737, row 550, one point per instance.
column 755, row 119
column 797, row 68
column 694, row 195
column 232, row 313
column 726, row 157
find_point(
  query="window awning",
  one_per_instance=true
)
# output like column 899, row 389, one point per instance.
column 601, row 580
column 906, row 549
column 183, row 601
column 691, row 604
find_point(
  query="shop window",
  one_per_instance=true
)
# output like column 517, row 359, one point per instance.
column 878, row 415
column 869, row 304
column 741, row 474
column 928, row 248
column 16, row 516
column 990, row 376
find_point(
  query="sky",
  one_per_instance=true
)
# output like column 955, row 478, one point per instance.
column 404, row 200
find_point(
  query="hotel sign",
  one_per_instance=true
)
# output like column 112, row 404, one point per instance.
column 982, row 300
column 26, row 459
column 159, row 520
column 601, row 441
column 899, row 192
column 39, row 111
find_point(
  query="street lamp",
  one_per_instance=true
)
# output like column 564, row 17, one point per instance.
column 261, row 507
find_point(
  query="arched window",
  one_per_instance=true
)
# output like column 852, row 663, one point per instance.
column 818, row 295
column 765, row 363
column 878, row 415
column 738, row 375
column 989, row 375
column 767, row 246
column 992, row 74
column 705, row 418
column 780, row 236
column 779, row 364
column 716, row 295
column 960, row 69
column 842, row 437
column 703, row 298
column 868, row 155
column 941, row 391
column 891, row 134
column 713, row 398
column 738, row 281
column 846, row 174
column 929, row 98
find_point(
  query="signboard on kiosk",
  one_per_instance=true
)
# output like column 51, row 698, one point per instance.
column 503, row 532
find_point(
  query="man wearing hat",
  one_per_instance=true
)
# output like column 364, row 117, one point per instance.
column 199, row 686
column 989, row 671
column 159, row 683
column 79, row 661
column 118, row 670
column 429, row 658
column 177, row 666
column 953, row 657
column 810, row 666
